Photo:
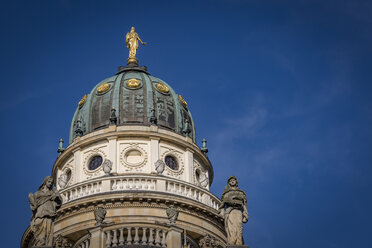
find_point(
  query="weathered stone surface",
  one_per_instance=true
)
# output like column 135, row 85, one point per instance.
column 62, row 242
column 234, row 210
column 159, row 166
column 172, row 214
column 100, row 215
column 209, row 241
column 44, row 204
column 107, row 166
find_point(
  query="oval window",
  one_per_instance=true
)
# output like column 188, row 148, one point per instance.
column 95, row 162
column 171, row 162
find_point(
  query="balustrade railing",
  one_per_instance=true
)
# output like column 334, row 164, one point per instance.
column 81, row 190
column 133, row 184
column 141, row 236
column 179, row 188
column 137, row 183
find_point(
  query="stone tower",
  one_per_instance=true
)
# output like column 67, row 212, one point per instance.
column 132, row 174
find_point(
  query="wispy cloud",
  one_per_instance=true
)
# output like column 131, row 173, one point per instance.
column 18, row 99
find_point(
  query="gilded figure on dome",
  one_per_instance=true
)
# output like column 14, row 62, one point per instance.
column 131, row 39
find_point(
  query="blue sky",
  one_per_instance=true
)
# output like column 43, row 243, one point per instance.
column 281, row 90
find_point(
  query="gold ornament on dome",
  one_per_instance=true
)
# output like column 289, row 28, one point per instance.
column 162, row 87
column 82, row 101
column 131, row 40
column 182, row 100
column 133, row 83
column 103, row 88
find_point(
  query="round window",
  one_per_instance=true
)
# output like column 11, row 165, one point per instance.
column 171, row 162
column 95, row 162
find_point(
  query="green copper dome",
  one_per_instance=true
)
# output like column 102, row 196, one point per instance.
column 137, row 99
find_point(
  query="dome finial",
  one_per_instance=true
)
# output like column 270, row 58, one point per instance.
column 131, row 39
column 204, row 148
column 60, row 147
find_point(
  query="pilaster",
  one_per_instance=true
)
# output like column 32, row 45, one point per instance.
column 78, row 166
column 154, row 151
column 96, row 238
column 174, row 237
column 189, row 165
column 112, row 151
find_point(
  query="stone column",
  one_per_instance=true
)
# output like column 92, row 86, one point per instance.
column 174, row 237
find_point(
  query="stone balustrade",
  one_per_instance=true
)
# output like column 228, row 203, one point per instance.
column 80, row 190
column 133, row 184
column 139, row 183
column 84, row 244
column 136, row 236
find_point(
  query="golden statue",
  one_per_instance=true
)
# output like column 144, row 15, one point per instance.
column 131, row 39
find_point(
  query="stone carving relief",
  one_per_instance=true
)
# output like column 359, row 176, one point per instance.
column 100, row 215
column 234, row 211
column 133, row 157
column 44, row 203
column 62, row 242
column 172, row 214
column 107, row 166
column 65, row 177
column 159, row 166
column 209, row 241
column 88, row 156
column 200, row 175
column 178, row 156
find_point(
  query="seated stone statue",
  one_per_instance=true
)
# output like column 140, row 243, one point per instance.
column 234, row 211
column 44, row 204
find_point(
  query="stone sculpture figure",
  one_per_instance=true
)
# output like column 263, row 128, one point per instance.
column 159, row 166
column 234, row 211
column 131, row 40
column 44, row 204
column 172, row 214
column 203, row 179
column 107, row 166
column 100, row 215
column 62, row 180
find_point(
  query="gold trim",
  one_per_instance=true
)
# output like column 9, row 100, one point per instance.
column 162, row 87
column 82, row 101
column 103, row 88
column 133, row 83
column 182, row 100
